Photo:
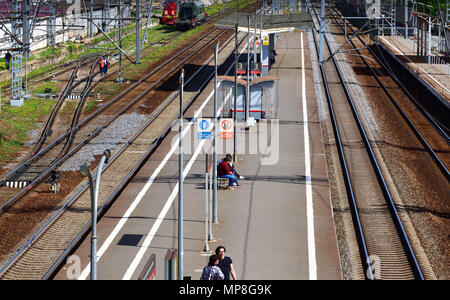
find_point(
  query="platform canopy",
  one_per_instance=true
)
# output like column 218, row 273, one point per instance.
column 271, row 23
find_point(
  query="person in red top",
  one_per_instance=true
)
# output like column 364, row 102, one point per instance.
column 101, row 65
column 224, row 171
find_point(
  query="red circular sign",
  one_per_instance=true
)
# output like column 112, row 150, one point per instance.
column 226, row 125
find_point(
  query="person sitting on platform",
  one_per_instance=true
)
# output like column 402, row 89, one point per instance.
column 224, row 171
column 229, row 158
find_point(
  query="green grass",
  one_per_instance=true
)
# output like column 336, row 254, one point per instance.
column 41, row 88
column 49, row 53
column 15, row 123
column 90, row 105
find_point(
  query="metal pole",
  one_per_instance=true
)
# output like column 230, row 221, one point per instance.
column 91, row 16
column 345, row 29
column 215, row 134
column 138, row 32
column 120, row 79
column 235, row 91
column 429, row 40
column 247, row 101
column 93, row 274
column 94, row 199
column 26, row 38
column 254, row 42
column 322, row 30
column 206, row 248
column 180, row 185
column 260, row 34
column 210, row 235
column 406, row 19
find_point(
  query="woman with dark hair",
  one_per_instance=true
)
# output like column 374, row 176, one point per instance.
column 212, row 271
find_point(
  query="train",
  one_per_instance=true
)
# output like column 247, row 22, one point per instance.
column 190, row 14
column 170, row 12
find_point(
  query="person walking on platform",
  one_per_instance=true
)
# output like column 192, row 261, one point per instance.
column 225, row 263
column 212, row 271
column 224, row 171
column 8, row 60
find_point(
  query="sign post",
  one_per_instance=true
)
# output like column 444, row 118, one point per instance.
column 180, row 184
column 216, row 50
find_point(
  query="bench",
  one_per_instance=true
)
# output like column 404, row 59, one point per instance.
column 222, row 183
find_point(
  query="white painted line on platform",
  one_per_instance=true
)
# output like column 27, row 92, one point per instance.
column 137, row 259
column 309, row 200
column 141, row 194
column 132, row 268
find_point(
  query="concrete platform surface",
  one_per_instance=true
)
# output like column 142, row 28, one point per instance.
column 277, row 225
column 435, row 74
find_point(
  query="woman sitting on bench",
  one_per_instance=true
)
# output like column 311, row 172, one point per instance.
column 229, row 158
column 224, row 171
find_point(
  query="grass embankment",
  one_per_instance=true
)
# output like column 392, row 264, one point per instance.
column 15, row 122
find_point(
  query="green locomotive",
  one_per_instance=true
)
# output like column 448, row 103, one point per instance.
column 190, row 15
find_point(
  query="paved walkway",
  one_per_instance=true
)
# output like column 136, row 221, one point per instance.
column 435, row 74
column 277, row 225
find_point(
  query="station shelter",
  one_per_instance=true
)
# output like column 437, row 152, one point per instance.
column 260, row 89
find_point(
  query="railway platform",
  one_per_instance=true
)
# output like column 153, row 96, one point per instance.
column 277, row 225
column 435, row 74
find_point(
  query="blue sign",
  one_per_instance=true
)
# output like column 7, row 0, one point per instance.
column 203, row 131
column 204, row 124
column 204, row 135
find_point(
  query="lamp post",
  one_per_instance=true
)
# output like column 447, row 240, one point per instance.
column 235, row 91
column 216, row 50
column 180, row 185
column 84, row 169
column 247, row 99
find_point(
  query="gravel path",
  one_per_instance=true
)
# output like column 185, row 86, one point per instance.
column 115, row 134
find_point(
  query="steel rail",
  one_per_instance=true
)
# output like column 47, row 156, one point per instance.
column 104, row 107
column 214, row 17
column 68, row 88
column 430, row 150
column 135, row 169
column 99, row 129
column 441, row 128
column 357, row 224
column 154, row 145
column 390, row 203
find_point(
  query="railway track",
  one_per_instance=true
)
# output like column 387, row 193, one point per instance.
column 136, row 96
column 138, row 90
column 431, row 134
column 71, row 65
column 36, row 164
column 385, row 250
column 13, row 179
